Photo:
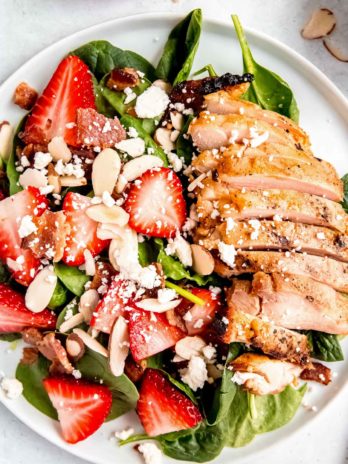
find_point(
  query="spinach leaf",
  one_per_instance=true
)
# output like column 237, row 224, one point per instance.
column 325, row 347
column 31, row 376
column 345, row 193
column 73, row 306
column 128, row 121
column 95, row 367
column 146, row 253
column 268, row 89
column 10, row 337
column 101, row 57
column 209, row 68
column 11, row 172
column 4, row 273
column 180, row 49
column 184, row 147
column 73, row 279
column 59, row 297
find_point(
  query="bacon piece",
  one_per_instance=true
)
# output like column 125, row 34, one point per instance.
column 25, row 96
column 121, row 78
column 54, row 351
column 29, row 356
column 32, row 336
column 317, row 373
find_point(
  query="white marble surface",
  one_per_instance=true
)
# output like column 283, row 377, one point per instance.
column 28, row 26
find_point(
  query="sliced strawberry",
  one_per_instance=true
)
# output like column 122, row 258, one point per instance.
column 20, row 261
column 156, row 204
column 198, row 317
column 83, row 230
column 14, row 316
column 70, row 88
column 112, row 305
column 162, row 408
column 82, row 407
column 150, row 333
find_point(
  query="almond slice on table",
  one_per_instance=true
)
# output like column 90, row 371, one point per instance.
column 321, row 24
column 118, row 346
column 91, row 342
column 202, row 260
column 188, row 347
column 135, row 168
column 108, row 214
column 71, row 323
column 88, row 302
column 335, row 51
column 105, row 171
column 41, row 289
column 153, row 305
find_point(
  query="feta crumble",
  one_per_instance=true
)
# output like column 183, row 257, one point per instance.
column 124, row 434
column 151, row 453
column 227, row 253
column 12, row 388
column 151, row 103
column 26, row 227
column 196, row 374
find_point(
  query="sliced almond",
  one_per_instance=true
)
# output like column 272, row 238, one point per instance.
column 153, row 305
column 88, row 302
column 41, row 289
column 91, row 343
column 89, row 263
column 188, row 347
column 196, row 182
column 53, row 179
column 108, row 231
column 72, row 322
column 163, row 138
column 109, row 215
column 321, row 24
column 174, row 135
column 105, row 171
column 72, row 181
column 118, row 346
column 202, row 260
column 6, row 139
column 113, row 249
column 166, row 86
column 33, row 177
column 59, row 150
column 177, row 120
column 136, row 167
column 123, row 249
column 133, row 147
column 75, row 347
column 335, row 51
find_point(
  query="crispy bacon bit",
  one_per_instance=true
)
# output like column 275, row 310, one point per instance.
column 53, row 350
column 96, row 130
column 32, row 336
column 25, row 96
column 87, row 157
column 175, row 320
column 29, row 356
column 317, row 373
column 48, row 241
column 103, row 274
column 121, row 78
column 30, row 149
column 133, row 370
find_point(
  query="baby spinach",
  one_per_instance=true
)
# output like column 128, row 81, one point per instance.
column 4, row 273
column 184, row 146
column 95, row 367
column 268, row 89
column 59, row 297
column 180, row 49
column 10, row 337
column 72, row 306
column 11, row 172
column 209, row 68
column 345, row 193
column 71, row 276
column 31, row 376
column 325, row 347
column 101, row 57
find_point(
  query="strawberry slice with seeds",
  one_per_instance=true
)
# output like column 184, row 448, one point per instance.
column 156, row 204
column 82, row 407
column 14, row 316
column 83, row 230
column 162, row 408
column 54, row 113
column 21, row 262
column 150, row 333
column 197, row 317
column 112, row 305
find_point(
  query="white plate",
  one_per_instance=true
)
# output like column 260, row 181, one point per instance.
column 324, row 115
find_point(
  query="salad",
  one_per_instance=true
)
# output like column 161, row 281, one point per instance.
column 169, row 244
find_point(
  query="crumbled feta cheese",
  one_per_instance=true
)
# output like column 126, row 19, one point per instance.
column 277, row 218
column 151, row 103
column 76, row 374
column 124, row 434
column 175, row 161
column 130, row 95
column 230, row 224
column 209, row 352
column 41, row 160
column 25, row 163
column 255, row 224
column 151, row 453
column 241, row 377
column 227, row 253
column 164, row 295
column 321, row 235
column 257, row 139
column 181, row 248
column 12, row 388
column 132, row 132
column 196, row 374
column 107, row 199
column 188, row 316
column 26, row 227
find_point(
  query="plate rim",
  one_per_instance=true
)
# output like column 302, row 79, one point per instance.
column 307, row 66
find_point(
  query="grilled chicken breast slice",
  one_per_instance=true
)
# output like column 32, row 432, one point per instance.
column 325, row 270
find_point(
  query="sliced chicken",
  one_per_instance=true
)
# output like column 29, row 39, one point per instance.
column 258, row 172
column 262, row 375
column 278, row 342
column 210, row 131
column 294, row 302
column 215, row 201
column 277, row 235
column 224, row 102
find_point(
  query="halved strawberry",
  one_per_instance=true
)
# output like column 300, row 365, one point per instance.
column 150, row 333
column 111, row 306
column 162, row 408
column 14, row 316
column 82, row 407
column 198, row 317
column 70, row 88
column 83, row 230
column 21, row 262
column 156, row 204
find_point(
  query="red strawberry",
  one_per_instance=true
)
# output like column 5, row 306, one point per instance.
column 82, row 407
column 162, row 408
column 198, row 317
column 21, row 262
column 70, row 88
column 150, row 333
column 83, row 230
column 111, row 306
column 14, row 316
column 156, row 204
